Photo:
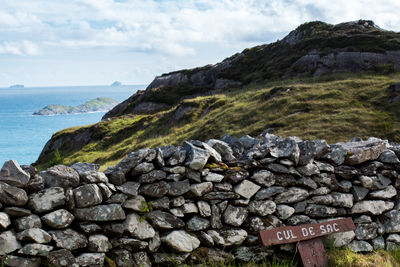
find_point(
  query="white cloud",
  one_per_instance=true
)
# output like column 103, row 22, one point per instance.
column 22, row 48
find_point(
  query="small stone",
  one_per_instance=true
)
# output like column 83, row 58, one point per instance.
column 284, row 211
column 299, row 219
column 93, row 177
column 204, row 208
column 138, row 228
column 378, row 243
column 308, row 170
column 58, row 219
column 262, row 207
column 47, row 199
column 36, row 235
column 61, row 257
column 161, row 203
column 12, row 196
column 324, row 167
column 359, row 192
column 89, row 228
column 179, row 188
column 17, row 211
column 223, row 149
column 31, row 221
column 154, row 243
column 246, row 189
column 87, row 195
column 143, row 167
column 235, row 216
column 99, row 243
column 36, row 250
column 178, row 201
column 292, row 195
column 265, row 193
column 164, row 221
column 342, row 200
column 129, row 188
column 320, row 211
column 111, row 212
column 360, row 246
column 386, row 193
column 229, row 237
column 392, row 221
column 197, row 223
column 8, row 243
column 12, row 174
column 68, row 239
column 152, row 176
column 90, row 259
column 371, row 207
column 177, row 212
column 141, row 259
column 341, row 239
column 196, row 157
column 201, row 188
column 4, row 221
column 135, row 203
column 155, row 190
column 321, row 191
column 60, row 176
column 388, row 156
column 181, row 241
column 366, row 231
column 117, row 198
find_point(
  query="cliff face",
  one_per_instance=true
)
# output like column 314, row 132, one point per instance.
column 313, row 49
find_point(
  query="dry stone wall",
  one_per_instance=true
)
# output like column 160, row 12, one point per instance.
column 199, row 201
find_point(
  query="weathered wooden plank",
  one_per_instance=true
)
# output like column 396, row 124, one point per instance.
column 312, row 253
column 290, row 234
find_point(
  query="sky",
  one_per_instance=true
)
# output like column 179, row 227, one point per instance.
column 97, row 42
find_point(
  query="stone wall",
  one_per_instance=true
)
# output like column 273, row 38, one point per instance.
column 198, row 201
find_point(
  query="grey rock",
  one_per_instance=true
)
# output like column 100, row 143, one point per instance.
column 378, row 243
column 152, row 176
column 386, row 193
column 262, row 207
column 135, row 203
column 284, row 211
column 223, row 187
column 36, row 235
column 360, row 246
column 8, row 243
column 197, row 223
column 110, row 212
column 90, row 259
column 115, row 175
column 141, row 259
column 229, row 237
column 366, row 231
column 133, row 159
column 347, row 172
column 254, row 253
column 47, row 199
column 325, row 200
column 12, row 196
column 300, row 207
column 68, row 239
column 58, row 219
column 176, row 170
column 117, row 198
column 36, row 250
column 177, row 212
column 308, row 170
column 287, row 148
column 196, row 157
column 161, row 203
column 181, row 241
column 247, row 189
column 93, row 177
column 213, row 177
column 154, row 243
column 307, row 182
column 392, row 221
column 31, row 221
column 292, row 195
column 12, row 174
column 320, row 211
column 359, row 192
column 345, row 186
column 234, row 216
column 164, row 221
column 221, row 196
column 60, row 176
column 87, row 195
column 264, row 178
column 363, row 219
column 236, row 177
column 388, row 156
column 342, row 200
column 308, row 151
column 4, row 221
column 178, row 157
column 179, row 188
column 371, row 207
column 335, row 155
column 17, row 211
column 105, row 190
column 170, row 258
column 223, row 149
column 141, row 168
column 215, row 217
column 204, row 208
column 299, row 219
column 324, row 167
column 81, row 167
column 99, row 243
column 341, row 239
column 265, row 193
column 129, row 188
column 214, row 155
column 70, row 199
column 321, row 191
column 189, row 208
column 15, row 261
column 89, row 228
column 201, row 188
column 155, row 190
column 61, row 257
column 138, row 228
column 178, row 201
column 193, row 175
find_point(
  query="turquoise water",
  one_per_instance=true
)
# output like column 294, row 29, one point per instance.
column 22, row 135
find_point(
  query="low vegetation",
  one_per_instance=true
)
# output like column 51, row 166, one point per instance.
column 335, row 107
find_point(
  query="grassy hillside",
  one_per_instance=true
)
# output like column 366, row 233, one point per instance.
column 333, row 107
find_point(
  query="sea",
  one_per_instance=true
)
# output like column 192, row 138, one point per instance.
column 23, row 135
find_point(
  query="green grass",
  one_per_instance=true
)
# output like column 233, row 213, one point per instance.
column 333, row 107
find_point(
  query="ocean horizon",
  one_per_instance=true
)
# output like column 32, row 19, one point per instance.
column 23, row 135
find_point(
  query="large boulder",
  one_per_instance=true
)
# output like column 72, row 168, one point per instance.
column 60, row 176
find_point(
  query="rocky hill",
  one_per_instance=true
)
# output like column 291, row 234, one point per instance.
column 320, row 81
column 99, row 104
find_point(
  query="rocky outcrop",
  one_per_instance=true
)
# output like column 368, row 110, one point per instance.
column 171, row 204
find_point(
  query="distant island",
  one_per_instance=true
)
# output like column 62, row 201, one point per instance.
column 116, row 83
column 17, row 86
column 100, row 104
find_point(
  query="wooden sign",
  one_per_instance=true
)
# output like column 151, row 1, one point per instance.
column 290, row 234
column 310, row 246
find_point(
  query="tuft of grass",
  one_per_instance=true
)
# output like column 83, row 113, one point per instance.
column 346, row 258
column 334, row 107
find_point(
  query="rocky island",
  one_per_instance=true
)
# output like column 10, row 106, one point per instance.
column 95, row 105
column 17, row 86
